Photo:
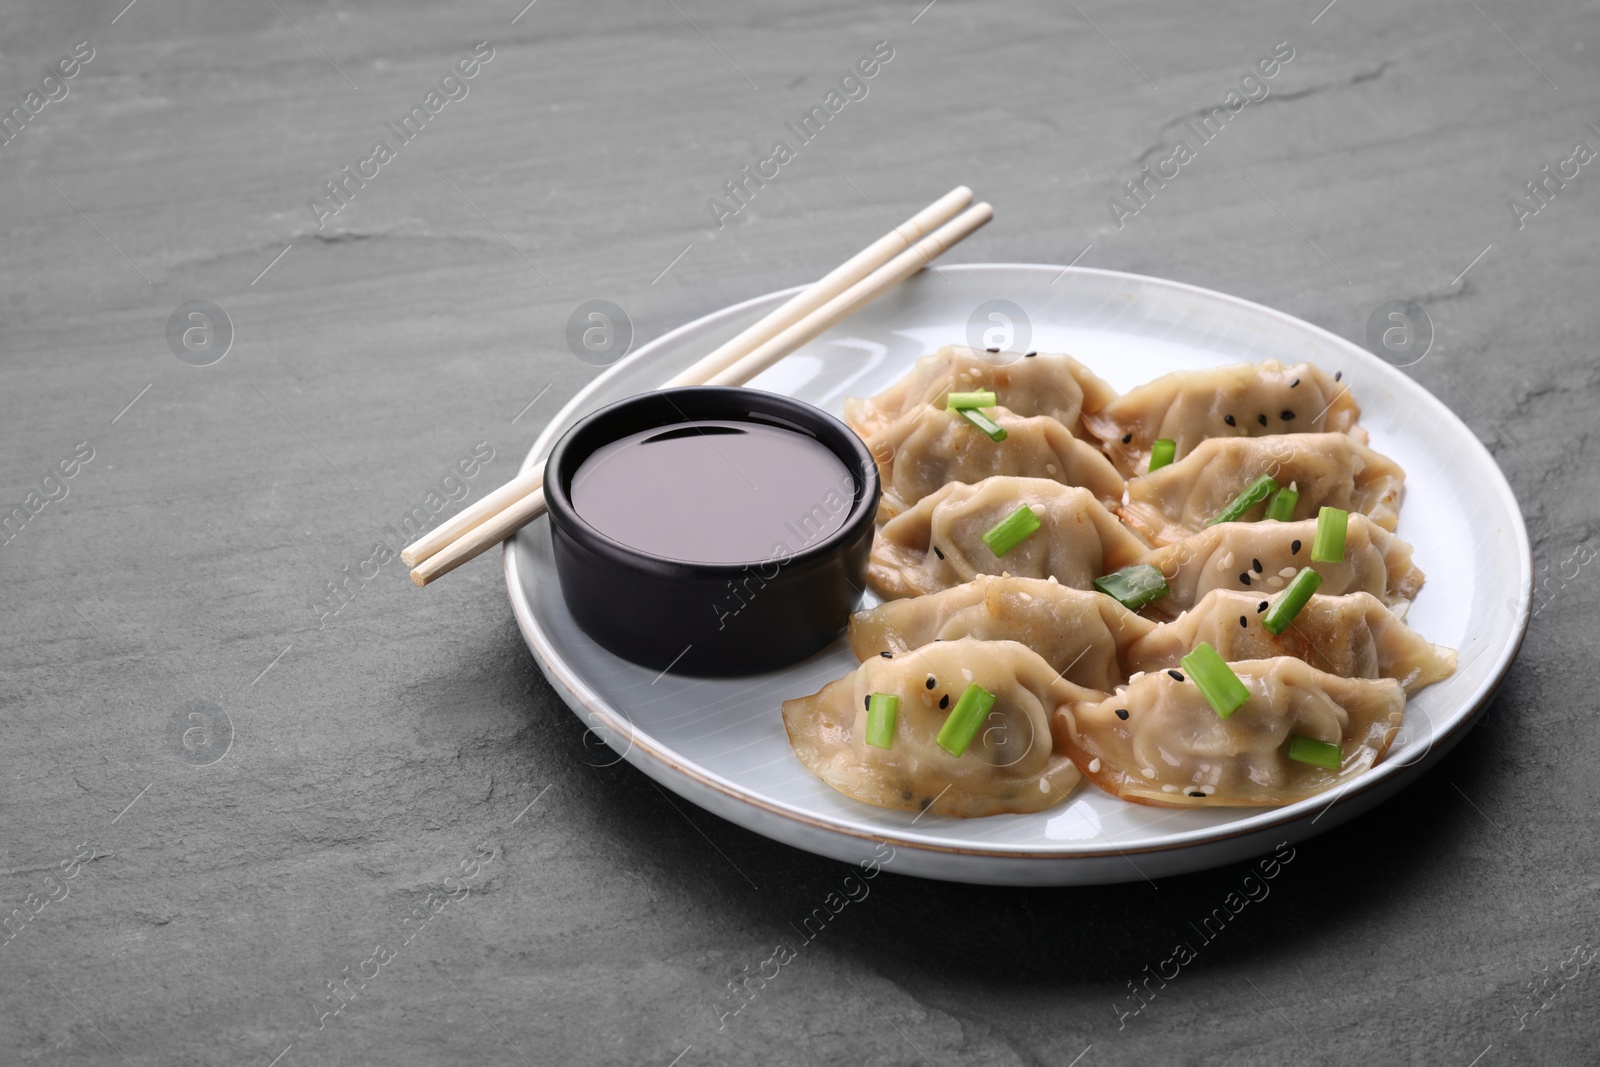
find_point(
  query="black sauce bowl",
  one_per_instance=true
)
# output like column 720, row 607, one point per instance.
column 710, row 618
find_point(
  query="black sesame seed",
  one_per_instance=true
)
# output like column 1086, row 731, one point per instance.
column 1262, row 419
column 944, row 702
column 1243, row 621
column 936, row 552
column 887, row 655
column 1286, row 416
column 1176, row 676
column 1229, row 420
column 1244, row 576
column 1122, row 713
column 1338, row 374
column 1029, row 355
column 1127, row 437
column 1294, row 546
column 932, row 681
column 866, row 702
column 1294, row 383
column 1255, row 565
column 1261, row 607
column 1196, row 793
column 994, row 350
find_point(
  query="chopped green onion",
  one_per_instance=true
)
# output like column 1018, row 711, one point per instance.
column 1162, row 452
column 1012, row 530
column 1218, row 684
column 980, row 399
column 1290, row 601
column 1329, row 545
column 881, row 711
column 1281, row 509
column 1316, row 753
column 965, row 718
column 1258, row 491
column 1134, row 586
column 995, row 431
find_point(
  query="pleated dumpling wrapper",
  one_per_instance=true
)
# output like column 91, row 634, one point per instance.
column 919, row 454
column 939, row 542
column 1085, row 636
column 1009, row 765
column 1353, row 636
column 1041, row 384
column 1261, row 557
column 1325, row 469
column 1241, row 400
column 1160, row 742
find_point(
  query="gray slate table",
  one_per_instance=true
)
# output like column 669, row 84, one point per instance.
column 177, row 908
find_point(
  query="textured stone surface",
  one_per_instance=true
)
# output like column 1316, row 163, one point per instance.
column 375, row 752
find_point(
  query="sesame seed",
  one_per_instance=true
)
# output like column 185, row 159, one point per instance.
column 1287, row 572
column 1262, row 419
column 932, row 681
column 1244, row 576
column 994, row 350
column 1294, row 547
column 1094, row 765
column 1275, row 582
column 1255, row 565
column 936, row 552
column 1127, row 437
column 1196, row 793
column 1169, row 788
column 1229, row 420
column 1294, row 383
column 1029, row 355
column 1261, row 607
column 1286, row 415
column 1044, row 786
column 1176, row 676
column 1148, row 772
column 944, row 702
column 1338, row 374
column 887, row 655
column 866, row 702
column 1243, row 621
column 1122, row 713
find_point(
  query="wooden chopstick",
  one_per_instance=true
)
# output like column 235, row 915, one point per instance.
column 519, row 513
column 785, row 315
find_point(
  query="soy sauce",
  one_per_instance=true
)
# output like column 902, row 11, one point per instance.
column 715, row 491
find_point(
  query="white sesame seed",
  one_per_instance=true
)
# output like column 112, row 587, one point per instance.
column 1169, row 789
column 1275, row 581
column 1148, row 772
column 1288, row 572
column 1044, row 786
column 1094, row 765
column 1049, row 468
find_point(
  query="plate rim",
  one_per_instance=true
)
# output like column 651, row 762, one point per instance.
column 573, row 688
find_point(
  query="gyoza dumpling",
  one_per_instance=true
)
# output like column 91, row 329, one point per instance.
column 1225, row 556
column 1085, row 636
column 1243, row 400
column 1010, row 764
column 1327, row 469
column 1353, row 636
column 920, row 454
column 939, row 542
column 1053, row 385
column 1159, row 741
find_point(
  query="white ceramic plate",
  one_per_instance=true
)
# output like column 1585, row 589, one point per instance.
column 721, row 743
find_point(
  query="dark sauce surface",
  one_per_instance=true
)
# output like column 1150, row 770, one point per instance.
column 715, row 491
